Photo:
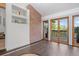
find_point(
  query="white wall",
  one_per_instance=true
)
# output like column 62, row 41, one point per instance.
column 17, row 35
column 63, row 14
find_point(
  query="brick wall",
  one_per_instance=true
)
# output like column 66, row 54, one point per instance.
column 35, row 25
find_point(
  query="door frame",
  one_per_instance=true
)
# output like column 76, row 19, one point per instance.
column 72, row 30
column 58, row 41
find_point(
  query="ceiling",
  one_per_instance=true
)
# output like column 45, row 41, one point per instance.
column 51, row 8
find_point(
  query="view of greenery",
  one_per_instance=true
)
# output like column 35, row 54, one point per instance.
column 54, row 33
column 55, row 26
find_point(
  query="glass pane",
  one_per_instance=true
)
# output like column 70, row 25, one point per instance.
column 63, row 30
column 54, row 31
column 76, row 31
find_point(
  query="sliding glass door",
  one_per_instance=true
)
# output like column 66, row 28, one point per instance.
column 75, row 24
column 59, row 31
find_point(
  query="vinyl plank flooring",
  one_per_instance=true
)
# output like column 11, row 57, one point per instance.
column 45, row 48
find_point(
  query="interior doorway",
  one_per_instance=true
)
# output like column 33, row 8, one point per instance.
column 45, row 30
